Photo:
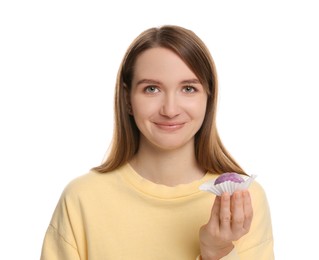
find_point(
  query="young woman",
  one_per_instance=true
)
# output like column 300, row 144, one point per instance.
column 143, row 202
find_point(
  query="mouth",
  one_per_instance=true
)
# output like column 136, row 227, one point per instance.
column 169, row 125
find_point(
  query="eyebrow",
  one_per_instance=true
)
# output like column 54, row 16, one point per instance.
column 148, row 81
column 151, row 81
column 191, row 81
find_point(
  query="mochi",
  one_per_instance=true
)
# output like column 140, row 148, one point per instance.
column 229, row 176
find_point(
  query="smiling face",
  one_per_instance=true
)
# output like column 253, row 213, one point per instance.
column 168, row 101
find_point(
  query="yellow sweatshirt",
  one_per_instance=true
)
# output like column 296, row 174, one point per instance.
column 120, row 215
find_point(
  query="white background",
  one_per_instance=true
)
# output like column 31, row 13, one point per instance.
column 58, row 64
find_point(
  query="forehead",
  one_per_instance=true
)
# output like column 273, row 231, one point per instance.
column 158, row 61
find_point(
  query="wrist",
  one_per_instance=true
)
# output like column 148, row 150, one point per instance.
column 216, row 254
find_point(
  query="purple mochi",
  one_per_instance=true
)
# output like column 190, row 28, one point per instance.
column 229, row 176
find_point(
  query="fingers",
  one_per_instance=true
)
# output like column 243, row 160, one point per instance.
column 214, row 218
column 225, row 215
column 248, row 210
column 241, row 213
column 218, row 228
column 231, row 216
column 238, row 215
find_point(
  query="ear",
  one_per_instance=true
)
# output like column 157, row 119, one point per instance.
column 127, row 97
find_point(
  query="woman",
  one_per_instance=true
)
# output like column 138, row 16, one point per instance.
column 143, row 202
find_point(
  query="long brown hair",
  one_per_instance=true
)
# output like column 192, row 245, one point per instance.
column 210, row 153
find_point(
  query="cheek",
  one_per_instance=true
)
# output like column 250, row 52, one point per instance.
column 143, row 108
column 198, row 108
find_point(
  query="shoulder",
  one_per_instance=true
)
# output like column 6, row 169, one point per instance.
column 257, row 191
column 259, row 201
column 82, row 197
column 90, row 183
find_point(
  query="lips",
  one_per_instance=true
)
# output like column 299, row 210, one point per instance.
column 169, row 126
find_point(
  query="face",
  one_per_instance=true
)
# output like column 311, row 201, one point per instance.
column 168, row 102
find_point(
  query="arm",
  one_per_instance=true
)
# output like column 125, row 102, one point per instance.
column 60, row 241
column 55, row 247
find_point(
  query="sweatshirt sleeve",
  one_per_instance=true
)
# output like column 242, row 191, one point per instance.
column 55, row 247
column 64, row 233
column 231, row 256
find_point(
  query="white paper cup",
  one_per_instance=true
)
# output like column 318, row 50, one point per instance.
column 228, row 186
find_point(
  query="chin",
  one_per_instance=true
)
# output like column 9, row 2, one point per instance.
column 170, row 146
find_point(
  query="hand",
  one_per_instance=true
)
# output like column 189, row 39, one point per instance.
column 230, row 219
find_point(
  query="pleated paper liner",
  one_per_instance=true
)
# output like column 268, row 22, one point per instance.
column 228, row 186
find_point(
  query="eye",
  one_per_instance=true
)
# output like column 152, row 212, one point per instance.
column 189, row 89
column 151, row 89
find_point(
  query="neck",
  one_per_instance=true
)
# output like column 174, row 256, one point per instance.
column 167, row 167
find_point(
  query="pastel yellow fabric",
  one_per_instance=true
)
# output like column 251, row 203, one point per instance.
column 120, row 215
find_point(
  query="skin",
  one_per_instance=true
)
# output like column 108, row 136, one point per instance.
column 175, row 102
column 230, row 219
column 168, row 104
column 169, row 109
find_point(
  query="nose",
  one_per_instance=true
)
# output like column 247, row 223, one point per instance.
column 170, row 106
